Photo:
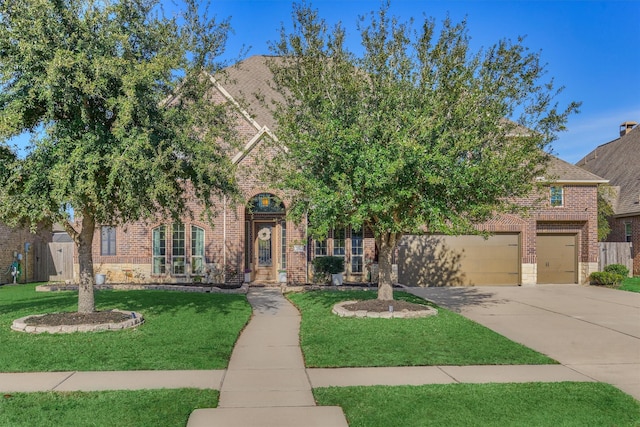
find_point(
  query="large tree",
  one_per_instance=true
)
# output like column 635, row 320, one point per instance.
column 114, row 95
column 416, row 133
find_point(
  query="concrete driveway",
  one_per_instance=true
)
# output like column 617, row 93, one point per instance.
column 593, row 330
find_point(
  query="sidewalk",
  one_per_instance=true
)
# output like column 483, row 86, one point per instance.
column 592, row 330
column 266, row 383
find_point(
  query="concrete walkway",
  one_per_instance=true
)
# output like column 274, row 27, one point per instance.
column 593, row 332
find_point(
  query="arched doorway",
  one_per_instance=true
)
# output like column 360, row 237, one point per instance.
column 265, row 242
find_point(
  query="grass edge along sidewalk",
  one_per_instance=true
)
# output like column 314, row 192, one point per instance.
column 182, row 331
column 329, row 341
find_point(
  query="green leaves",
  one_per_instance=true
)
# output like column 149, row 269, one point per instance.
column 417, row 133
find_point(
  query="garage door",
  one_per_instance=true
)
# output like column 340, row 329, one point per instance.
column 438, row 260
column 557, row 258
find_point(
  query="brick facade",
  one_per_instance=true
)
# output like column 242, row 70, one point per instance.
column 619, row 234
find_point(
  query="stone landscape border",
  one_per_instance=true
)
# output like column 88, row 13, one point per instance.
column 402, row 314
column 135, row 319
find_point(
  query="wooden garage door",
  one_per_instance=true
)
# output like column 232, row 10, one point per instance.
column 557, row 258
column 438, row 260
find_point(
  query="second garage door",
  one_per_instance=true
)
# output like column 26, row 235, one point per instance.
column 438, row 260
column 557, row 258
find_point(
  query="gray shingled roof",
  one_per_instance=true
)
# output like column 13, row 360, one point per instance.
column 619, row 162
column 248, row 82
column 560, row 171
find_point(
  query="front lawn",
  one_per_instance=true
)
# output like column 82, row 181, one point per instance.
column 631, row 284
column 181, row 331
column 526, row 404
column 143, row 408
column 446, row 339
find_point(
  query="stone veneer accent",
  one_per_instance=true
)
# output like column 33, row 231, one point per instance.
column 403, row 314
column 529, row 274
column 20, row 325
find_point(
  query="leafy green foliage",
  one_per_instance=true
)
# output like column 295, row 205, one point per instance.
column 115, row 97
column 605, row 210
column 417, row 133
column 605, row 278
column 328, row 265
column 618, row 269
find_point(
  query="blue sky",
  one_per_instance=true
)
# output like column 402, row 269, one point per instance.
column 591, row 47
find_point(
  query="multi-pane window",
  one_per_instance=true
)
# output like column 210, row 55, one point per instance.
column 357, row 251
column 159, row 249
column 178, row 249
column 339, row 242
column 628, row 233
column 320, row 248
column 283, row 245
column 197, row 250
column 556, row 195
column 108, row 241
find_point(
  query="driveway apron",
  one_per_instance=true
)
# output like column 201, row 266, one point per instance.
column 593, row 330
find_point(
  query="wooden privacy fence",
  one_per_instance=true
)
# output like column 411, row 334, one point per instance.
column 615, row 253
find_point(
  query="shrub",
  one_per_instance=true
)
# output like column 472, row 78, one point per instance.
column 328, row 265
column 605, row 278
column 618, row 269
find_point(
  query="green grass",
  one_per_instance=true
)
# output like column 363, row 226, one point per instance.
column 181, row 331
column 144, row 408
column 446, row 339
column 631, row 284
column 527, row 404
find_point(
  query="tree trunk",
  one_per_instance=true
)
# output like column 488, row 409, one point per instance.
column 386, row 245
column 84, row 242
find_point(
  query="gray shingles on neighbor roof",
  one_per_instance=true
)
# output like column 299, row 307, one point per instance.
column 249, row 83
column 619, row 162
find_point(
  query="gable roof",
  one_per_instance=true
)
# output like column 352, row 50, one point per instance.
column 619, row 162
column 563, row 172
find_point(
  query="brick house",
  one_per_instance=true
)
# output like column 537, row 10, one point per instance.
column 619, row 162
column 255, row 242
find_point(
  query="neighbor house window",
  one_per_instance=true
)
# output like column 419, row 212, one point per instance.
column 556, row 196
column 159, row 245
column 197, row 250
column 178, row 249
column 627, row 232
column 108, row 241
column 357, row 251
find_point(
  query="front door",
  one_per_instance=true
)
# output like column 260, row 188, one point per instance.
column 264, row 255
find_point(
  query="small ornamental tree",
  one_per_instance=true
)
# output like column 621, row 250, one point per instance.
column 418, row 133
column 114, row 95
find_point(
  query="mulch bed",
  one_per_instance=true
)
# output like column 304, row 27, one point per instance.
column 381, row 306
column 74, row 318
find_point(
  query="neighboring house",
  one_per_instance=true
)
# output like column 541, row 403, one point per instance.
column 619, row 162
column 555, row 243
column 33, row 253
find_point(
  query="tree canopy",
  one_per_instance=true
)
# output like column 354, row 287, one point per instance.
column 114, row 96
column 417, row 133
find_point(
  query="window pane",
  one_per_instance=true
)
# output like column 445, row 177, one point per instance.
column 357, row 251
column 159, row 245
column 283, row 245
column 556, row 196
column 197, row 250
column 108, row 241
column 339, row 242
column 178, row 249
column 320, row 248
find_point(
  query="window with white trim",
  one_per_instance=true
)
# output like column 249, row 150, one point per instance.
column 357, row 251
column 197, row 250
column 159, row 249
column 178, row 249
column 628, row 232
column 556, row 195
